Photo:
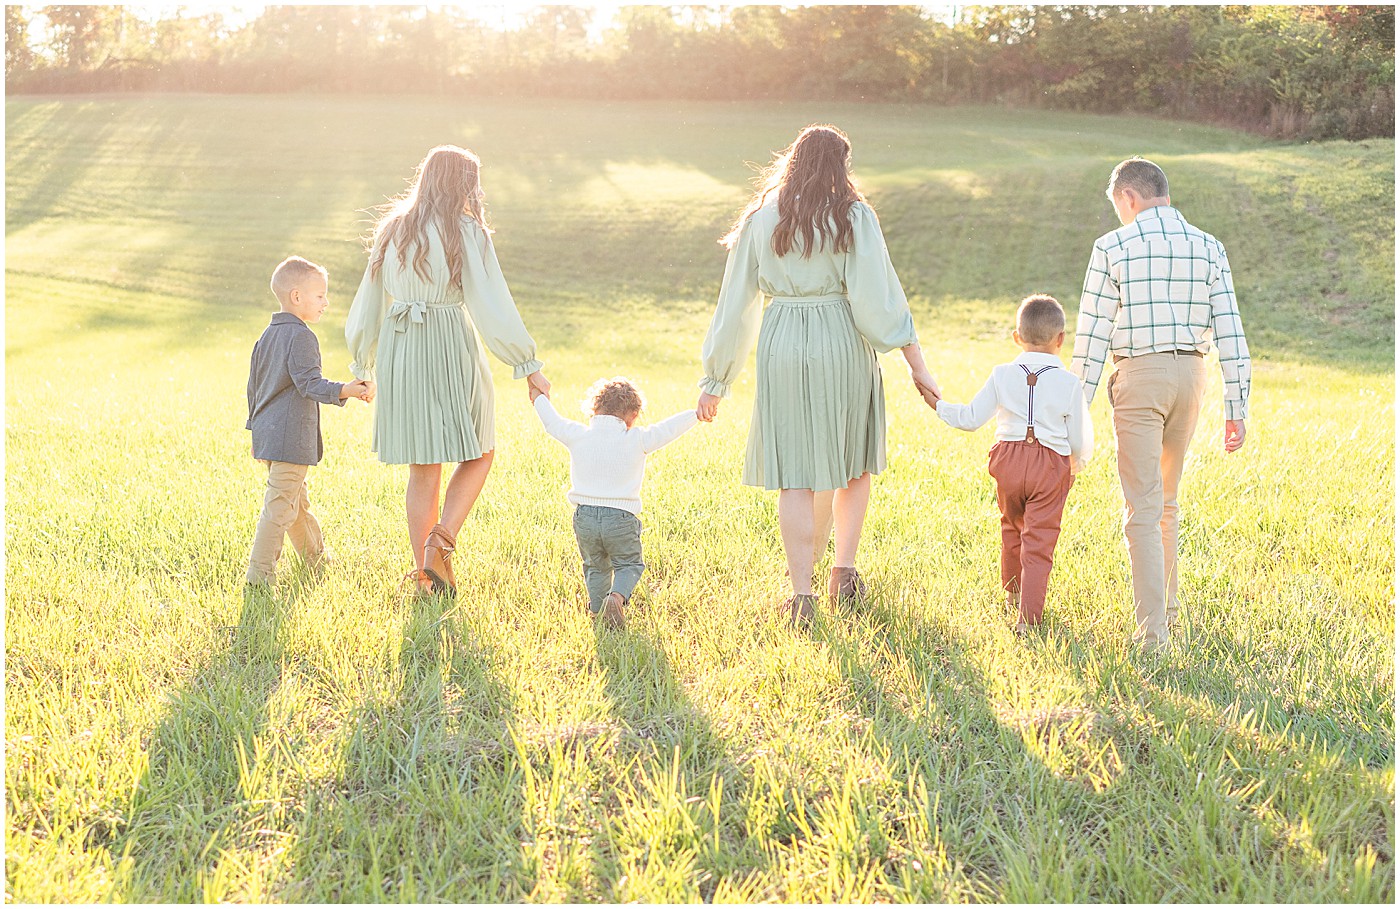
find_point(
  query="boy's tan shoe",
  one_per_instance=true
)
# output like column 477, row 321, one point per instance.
column 799, row 609
column 611, row 613
column 846, row 585
column 437, row 560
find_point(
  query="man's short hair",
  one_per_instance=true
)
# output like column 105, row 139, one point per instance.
column 1141, row 176
column 290, row 274
column 1040, row 318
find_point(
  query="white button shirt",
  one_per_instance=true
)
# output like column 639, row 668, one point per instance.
column 1062, row 421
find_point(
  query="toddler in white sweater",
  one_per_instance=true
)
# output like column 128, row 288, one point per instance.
column 607, row 461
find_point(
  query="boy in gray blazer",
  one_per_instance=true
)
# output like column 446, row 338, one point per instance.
column 285, row 391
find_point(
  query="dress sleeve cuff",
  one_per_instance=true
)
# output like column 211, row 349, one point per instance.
column 527, row 368
column 361, row 372
column 714, row 387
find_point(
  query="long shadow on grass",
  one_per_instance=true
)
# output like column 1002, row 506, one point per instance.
column 666, row 834
column 200, row 794
column 1205, row 805
column 1002, row 798
column 427, row 808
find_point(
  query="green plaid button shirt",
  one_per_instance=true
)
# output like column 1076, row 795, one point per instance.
column 1159, row 284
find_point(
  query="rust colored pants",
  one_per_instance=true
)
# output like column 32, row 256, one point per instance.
column 1032, row 485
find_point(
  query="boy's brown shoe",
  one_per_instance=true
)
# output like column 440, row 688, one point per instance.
column 611, row 613
column 437, row 560
column 846, row 585
column 799, row 609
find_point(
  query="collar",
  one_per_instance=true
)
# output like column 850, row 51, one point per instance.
column 1157, row 212
column 606, row 419
column 285, row 318
column 1036, row 358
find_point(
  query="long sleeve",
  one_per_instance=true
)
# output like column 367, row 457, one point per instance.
column 565, row 431
column 490, row 304
column 304, row 365
column 738, row 316
column 878, row 304
column 1228, row 330
column 1081, row 431
column 1098, row 308
column 364, row 322
column 251, row 401
column 975, row 414
column 668, row 430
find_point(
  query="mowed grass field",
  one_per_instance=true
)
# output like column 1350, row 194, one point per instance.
column 166, row 740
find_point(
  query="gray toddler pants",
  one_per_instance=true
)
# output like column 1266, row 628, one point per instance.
column 610, row 541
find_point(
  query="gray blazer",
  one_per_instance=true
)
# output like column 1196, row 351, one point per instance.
column 284, row 389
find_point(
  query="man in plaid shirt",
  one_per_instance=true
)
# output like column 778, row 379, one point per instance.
column 1156, row 292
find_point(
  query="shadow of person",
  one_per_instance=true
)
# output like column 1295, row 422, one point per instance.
column 677, row 775
column 439, row 740
column 198, row 791
column 981, row 779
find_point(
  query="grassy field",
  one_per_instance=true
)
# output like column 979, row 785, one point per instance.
column 167, row 740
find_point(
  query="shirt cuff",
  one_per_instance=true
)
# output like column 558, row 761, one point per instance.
column 1236, row 410
column 714, row 387
column 527, row 368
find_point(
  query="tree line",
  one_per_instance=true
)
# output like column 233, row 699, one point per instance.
column 1286, row 71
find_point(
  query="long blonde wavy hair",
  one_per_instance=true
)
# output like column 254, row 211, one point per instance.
column 446, row 185
column 812, row 178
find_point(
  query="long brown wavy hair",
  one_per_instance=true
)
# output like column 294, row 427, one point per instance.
column 446, row 185
column 812, row 178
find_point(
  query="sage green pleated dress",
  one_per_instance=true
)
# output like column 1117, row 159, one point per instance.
column 819, row 415
column 418, row 341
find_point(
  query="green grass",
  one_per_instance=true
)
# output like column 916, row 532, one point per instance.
column 167, row 740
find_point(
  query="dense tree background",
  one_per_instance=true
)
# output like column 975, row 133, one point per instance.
column 1298, row 72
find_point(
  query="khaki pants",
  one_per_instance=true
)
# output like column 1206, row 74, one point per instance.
column 286, row 512
column 1156, row 402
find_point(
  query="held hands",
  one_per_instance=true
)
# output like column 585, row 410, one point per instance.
column 538, row 385
column 927, row 388
column 360, row 388
column 706, row 407
column 1234, row 435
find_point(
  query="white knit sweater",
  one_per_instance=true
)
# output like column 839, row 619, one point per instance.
column 607, row 459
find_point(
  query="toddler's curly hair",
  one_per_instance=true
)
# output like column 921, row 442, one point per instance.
column 616, row 397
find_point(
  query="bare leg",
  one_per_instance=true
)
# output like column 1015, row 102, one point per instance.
column 421, row 503
column 849, row 509
column 795, row 519
column 463, row 488
column 821, row 523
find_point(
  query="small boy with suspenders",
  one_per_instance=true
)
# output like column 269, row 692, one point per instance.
column 1044, row 437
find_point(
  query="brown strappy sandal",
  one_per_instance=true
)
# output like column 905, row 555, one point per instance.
column 437, row 560
column 422, row 582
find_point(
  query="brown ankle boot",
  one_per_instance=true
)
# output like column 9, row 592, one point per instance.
column 846, row 585
column 437, row 560
column 799, row 609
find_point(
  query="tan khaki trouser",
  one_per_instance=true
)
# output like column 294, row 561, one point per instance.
column 1156, row 402
column 286, row 512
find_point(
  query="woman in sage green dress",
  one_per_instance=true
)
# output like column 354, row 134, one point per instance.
column 810, row 243
column 432, row 285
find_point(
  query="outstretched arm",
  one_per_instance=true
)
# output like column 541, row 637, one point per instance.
column 668, row 430
column 973, row 415
column 734, row 328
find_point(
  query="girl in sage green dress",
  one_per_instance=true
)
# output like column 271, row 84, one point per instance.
column 432, row 285
column 810, row 243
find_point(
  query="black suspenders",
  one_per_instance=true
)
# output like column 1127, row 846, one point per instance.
column 1031, row 378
